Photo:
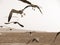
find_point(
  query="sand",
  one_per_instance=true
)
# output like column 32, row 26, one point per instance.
column 10, row 37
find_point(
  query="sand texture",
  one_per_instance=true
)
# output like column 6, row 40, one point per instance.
column 22, row 37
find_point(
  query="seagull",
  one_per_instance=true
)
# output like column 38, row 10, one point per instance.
column 34, row 39
column 15, row 11
column 56, row 36
column 30, row 4
column 25, row 1
column 35, row 6
column 15, row 23
column 21, row 11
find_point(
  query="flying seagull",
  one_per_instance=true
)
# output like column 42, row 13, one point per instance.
column 31, row 5
column 56, row 36
column 15, row 23
column 21, row 11
column 35, row 6
column 15, row 11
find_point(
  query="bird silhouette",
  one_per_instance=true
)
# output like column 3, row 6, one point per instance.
column 25, row 1
column 56, row 36
column 30, row 4
column 15, row 23
column 32, row 40
column 35, row 6
column 15, row 11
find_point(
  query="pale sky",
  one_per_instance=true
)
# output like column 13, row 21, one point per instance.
column 33, row 20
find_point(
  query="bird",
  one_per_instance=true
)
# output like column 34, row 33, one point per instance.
column 25, row 1
column 30, row 4
column 15, row 23
column 32, row 40
column 35, row 6
column 15, row 11
column 56, row 36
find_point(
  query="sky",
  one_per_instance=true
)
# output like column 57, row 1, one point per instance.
column 49, row 21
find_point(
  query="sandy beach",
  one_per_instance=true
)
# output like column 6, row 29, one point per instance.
column 10, row 36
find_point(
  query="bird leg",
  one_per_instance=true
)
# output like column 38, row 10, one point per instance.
column 33, row 8
column 21, row 12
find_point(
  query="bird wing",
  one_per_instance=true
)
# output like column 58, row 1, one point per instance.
column 20, row 24
column 10, row 15
column 25, row 1
column 6, row 23
column 15, row 23
column 38, row 8
column 33, row 6
column 26, row 7
column 56, row 36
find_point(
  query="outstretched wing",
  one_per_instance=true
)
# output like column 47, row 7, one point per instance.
column 25, row 1
column 15, row 23
column 27, row 7
column 20, row 24
column 10, row 15
column 33, row 6
column 56, row 36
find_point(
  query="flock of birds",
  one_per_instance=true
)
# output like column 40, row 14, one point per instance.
column 22, row 13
